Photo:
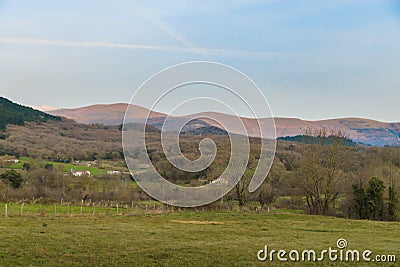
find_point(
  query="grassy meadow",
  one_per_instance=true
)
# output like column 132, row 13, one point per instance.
column 183, row 238
column 64, row 167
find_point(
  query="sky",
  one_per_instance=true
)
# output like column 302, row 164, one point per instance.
column 311, row 59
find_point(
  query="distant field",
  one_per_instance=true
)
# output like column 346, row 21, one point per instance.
column 183, row 239
column 65, row 167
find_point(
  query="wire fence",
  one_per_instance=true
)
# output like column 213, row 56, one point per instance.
column 65, row 209
column 94, row 209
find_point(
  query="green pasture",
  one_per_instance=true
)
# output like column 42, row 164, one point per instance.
column 187, row 238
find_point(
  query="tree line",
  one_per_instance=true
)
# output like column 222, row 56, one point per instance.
column 322, row 173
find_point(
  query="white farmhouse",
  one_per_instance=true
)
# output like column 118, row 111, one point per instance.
column 220, row 181
column 79, row 173
column 11, row 161
column 114, row 173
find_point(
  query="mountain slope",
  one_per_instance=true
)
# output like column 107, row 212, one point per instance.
column 12, row 113
column 104, row 114
column 360, row 130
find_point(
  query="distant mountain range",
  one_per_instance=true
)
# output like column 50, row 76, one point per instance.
column 365, row 131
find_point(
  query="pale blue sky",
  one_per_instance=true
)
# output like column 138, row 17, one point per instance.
column 312, row 59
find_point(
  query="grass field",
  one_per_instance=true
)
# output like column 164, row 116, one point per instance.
column 184, row 239
column 65, row 167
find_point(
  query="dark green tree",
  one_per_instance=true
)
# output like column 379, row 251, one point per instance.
column 393, row 204
column 360, row 203
column 26, row 166
column 13, row 178
column 49, row 166
column 375, row 199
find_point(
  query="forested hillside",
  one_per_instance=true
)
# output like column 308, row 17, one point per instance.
column 323, row 173
column 306, row 139
column 62, row 140
column 12, row 113
column 326, row 176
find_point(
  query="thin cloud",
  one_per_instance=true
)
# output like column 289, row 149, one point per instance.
column 203, row 51
column 29, row 41
column 172, row 32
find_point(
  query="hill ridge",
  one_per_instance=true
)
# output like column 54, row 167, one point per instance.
column 363, row 130
column 16, row 114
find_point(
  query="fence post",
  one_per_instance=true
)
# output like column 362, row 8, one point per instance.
column 55, row 209
column 6, row 210
column 117, row 209
column 22, row 209
column 94, row 207
column 68, row 210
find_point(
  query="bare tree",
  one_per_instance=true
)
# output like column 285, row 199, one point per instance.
column 319, row 175
column 268, row 192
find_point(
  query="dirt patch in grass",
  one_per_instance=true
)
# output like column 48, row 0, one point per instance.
column 198, row 222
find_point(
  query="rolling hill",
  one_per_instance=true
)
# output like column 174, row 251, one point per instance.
column 358, row 129
column 104, row 114
column 25, row 132
column 15, row 114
